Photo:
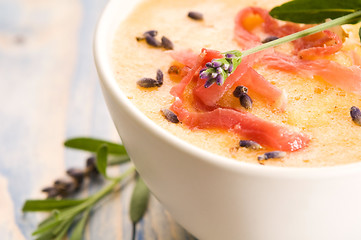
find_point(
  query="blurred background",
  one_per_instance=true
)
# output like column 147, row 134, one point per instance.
column 49, row 92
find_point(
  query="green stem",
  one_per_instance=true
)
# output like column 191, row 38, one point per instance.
column 73, row 211
column 102, row 193
column 306, row 32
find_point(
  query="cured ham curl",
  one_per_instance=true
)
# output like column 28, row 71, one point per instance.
column 346, row 78
column 204, row 112
column 244, row 124
column 244, row 75
column 316, row 45
column 305, row 59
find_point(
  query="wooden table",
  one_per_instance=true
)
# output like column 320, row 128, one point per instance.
column 49, row 91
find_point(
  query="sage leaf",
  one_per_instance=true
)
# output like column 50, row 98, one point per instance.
column 138, row 203
column 102, row 159
column 77, row 233
column 118, row 159
column 314, row 11
column 92, row 145
column 49, row 204
column 139, row 200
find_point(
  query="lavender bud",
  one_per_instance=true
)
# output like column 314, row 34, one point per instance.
column 195, row 15
column 219, row 79
column 167, row 44
column 209, row 65
column 152, row 41
column 219, row 70
column 77, row 175
column 230, row 68
column 148, row 83
column 269, row 155
column 239, row 90
column 214, row 75
column 159, row 78
column 202, row 70
column 225, row 66
column 170, row 116
column 91, row 169
column 229, row 55
column 204, row 75
column 249, row 144
column 245, row 101
column 216, row 64
column 152, row 33
column 355, row 115
column 65, row 187
column 209, row 83
column 52, row 192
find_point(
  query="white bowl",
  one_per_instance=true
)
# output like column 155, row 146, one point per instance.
column 214, row 197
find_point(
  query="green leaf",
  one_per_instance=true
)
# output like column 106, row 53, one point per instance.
column 46, row 226
column 60, row 220
column 102, row 159
column 50, row 218
column 235, row 62
column 314, row 11
column 92, row 145
column 69, row 213
column 117, row 159
column 49, row 204
column 236, row 53
column 61, row 216
column 359, row 33
column 63, row 229
column 77, row 233
column 62, row 225
column 46, row 235
column 139, row 200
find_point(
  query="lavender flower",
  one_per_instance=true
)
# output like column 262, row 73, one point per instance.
column 218, row 70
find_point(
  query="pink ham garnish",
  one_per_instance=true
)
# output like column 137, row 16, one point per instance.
column 244, row 124
column 346, row 78
column 327, row 43
column 311, row 47
column 207, row 98
column 243, row 36
column 204, row 112
column 315, row 45
column 205, row 56
column 187, row 57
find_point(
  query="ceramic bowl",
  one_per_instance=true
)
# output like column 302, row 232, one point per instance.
column 214, row 197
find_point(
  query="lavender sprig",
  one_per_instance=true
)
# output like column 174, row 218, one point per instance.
column 218, row 70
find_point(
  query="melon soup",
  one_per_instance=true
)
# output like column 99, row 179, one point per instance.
column 311, row 104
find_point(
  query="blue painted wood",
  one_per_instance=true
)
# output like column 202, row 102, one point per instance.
column 49, row 91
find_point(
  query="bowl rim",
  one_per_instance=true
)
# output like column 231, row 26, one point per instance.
column 106, row 27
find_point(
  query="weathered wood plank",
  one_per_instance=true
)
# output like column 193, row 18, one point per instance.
column 49, row 91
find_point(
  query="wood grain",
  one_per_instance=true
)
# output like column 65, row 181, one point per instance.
column 48, row 92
